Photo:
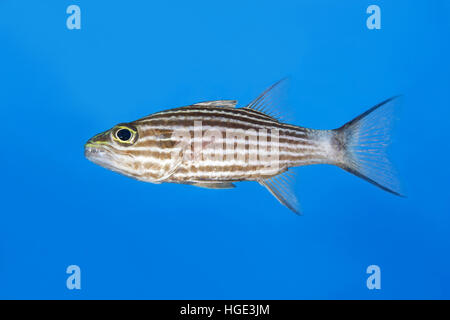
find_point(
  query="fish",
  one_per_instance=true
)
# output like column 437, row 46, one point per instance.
column 215, row 144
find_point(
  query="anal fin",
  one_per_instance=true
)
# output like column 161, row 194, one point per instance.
column 280, row 187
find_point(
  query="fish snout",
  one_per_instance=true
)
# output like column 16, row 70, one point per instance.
column 96, row 147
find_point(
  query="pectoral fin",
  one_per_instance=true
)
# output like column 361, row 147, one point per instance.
column 170, row 173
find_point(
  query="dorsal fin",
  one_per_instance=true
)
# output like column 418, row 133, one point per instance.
column 217, row 103
column 267, row 102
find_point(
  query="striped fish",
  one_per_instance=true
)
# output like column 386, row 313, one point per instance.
column 214, row 144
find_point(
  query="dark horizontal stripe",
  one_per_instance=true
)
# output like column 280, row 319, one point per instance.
column 247, row 111
column 281, row 140
column 224, row 113
column 172, row 123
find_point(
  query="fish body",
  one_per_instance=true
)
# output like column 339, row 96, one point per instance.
column 214, row 144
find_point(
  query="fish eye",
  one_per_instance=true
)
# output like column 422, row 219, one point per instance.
column 124, row 135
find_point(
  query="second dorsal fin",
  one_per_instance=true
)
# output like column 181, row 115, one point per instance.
column 267, row 103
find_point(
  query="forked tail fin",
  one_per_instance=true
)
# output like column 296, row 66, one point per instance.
column 363, row 142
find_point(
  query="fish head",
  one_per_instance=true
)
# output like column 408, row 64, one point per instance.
column 113, row 149
column 134, row 150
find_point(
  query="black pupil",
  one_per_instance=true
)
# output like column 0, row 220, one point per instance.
column 124, row 134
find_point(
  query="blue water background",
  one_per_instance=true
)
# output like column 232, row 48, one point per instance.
column 59, row 87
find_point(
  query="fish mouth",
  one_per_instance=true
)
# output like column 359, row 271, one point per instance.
column 98, row 154
column 104, row 157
